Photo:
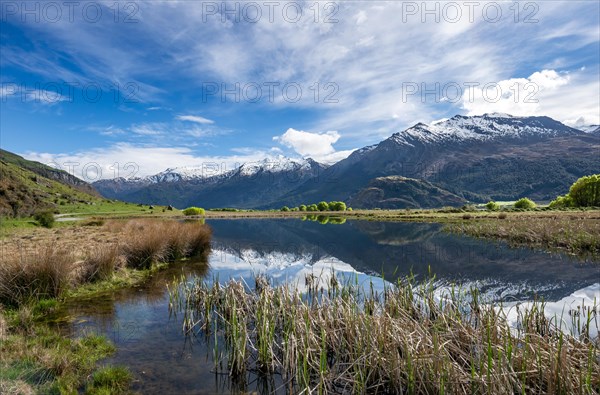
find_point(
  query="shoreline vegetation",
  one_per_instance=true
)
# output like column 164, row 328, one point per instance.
column 343, row 338
column 104, row 251
column 41, row 269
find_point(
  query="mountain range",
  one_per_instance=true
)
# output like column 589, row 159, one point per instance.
column 448, row 162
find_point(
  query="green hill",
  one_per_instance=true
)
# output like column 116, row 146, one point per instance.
column 27, row 186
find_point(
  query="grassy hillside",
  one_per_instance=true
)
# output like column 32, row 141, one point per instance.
column 27, row 187
column 394, row 192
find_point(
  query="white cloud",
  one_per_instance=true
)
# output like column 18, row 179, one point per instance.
column 129, row 160
column 568, row 97
column 368, row 53
column 195, row 118
column 318, row 146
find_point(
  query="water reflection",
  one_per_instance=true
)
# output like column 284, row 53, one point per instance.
column 163, row 360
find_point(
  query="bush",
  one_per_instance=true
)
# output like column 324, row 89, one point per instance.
column 337, row 206
column 525, row 203
column 45, row 218
column 323, row 206
column 502, row 216
column 285, row 208
column 562, row 202
column 492, row 206
column 349, row 209
column 193, row 211
column 313, row 207
column 302, row 207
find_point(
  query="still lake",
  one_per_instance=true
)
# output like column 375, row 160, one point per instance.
column 151, row 343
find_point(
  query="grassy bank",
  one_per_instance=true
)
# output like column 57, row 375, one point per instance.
column 42, row 267
column 350, row 340
column 576, row 233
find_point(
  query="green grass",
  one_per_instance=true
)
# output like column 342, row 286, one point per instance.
column 109, row 380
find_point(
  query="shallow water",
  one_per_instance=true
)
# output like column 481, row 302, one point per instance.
column 162, row 359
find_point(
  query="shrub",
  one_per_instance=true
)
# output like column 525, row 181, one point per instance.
column 562, row 202
column 349, row 209
column 337, row 206
column 193, row 211
column 323, row 206
column 285, row 208
column 502, row 216
column 467, row 216
column 302, row 207
column 492, row 206
column 525, row 203
column 313, row 207
column 45, row 218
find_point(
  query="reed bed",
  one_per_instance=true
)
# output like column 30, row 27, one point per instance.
column 343, row 338
column 40, row 270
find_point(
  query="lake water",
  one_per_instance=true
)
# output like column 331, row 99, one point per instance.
column 163, row 359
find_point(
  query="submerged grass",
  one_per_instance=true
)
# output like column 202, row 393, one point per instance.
column 346, row 339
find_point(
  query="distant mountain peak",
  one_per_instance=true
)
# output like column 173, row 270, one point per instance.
column 480, row 128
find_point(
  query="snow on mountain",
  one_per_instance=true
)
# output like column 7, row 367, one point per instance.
column 276, row 164
column 485, row 127
column 210, row 171
column 589, row 128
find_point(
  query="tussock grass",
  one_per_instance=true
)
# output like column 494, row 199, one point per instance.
column 352, row 340
column 41, row 273
column 33, row 272
column 152, row 241
column 100, row 263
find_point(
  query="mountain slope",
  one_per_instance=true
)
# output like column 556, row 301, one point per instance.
column 490, row 156
column 395, row 192
column 250, row 185
column 27, row 186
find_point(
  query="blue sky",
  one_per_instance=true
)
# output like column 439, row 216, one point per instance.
column 168, row 84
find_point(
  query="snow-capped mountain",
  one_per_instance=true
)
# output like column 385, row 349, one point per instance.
column 478, row 158
column 212, row 186
column 590, row 128
column 475, row 158
column 481, row 128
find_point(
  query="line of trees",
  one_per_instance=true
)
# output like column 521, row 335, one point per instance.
column 585, row 192
column 321, row 206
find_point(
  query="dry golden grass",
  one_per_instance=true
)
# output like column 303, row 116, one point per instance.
column 43, row 263
column 576, row 233
column 351, row 340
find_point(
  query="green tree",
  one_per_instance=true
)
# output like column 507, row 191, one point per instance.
column 302, row 207
column 323, row 206
column 492, row 206
column 285, row 208
column 525, row 203
column 585, row 192
column 313, row 207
